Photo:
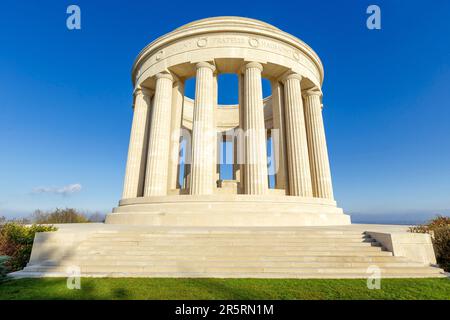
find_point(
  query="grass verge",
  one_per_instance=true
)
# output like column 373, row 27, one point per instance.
column 226, row 289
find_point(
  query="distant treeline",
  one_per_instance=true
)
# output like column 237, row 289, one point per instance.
column 67, row 215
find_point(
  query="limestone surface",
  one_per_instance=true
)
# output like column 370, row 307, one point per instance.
column 168, row 185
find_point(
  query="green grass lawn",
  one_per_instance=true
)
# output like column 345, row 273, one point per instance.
column 155, row 288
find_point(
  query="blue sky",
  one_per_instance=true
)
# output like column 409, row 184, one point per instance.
column 65, row 97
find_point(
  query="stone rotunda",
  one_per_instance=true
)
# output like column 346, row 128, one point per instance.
column 272, row 216
column 163, row 188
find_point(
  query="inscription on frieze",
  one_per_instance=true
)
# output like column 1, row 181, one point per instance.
column 232, row 40
column 160, row 55
column 253, row 42
column 202, row 42
column 227, row 41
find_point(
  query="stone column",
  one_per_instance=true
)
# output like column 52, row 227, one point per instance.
column 278, row 135
column 255, row 181
column 203, row 133
column 240, row 136
column 297, row 146
column 159, row 140
column 175, row 132
column 137, row 150
column 216, row 142
column 318, row 155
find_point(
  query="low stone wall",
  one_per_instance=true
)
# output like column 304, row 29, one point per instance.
column 414, row 246
column 55, row 245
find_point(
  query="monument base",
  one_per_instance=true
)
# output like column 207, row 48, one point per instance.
column 228, row 211
column 351, row 251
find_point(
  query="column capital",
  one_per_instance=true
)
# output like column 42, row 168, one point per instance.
column 164, row 75
column 204, row 64
column 312, row 92
column 142, row 90
column 291, row 76
column 253, row 64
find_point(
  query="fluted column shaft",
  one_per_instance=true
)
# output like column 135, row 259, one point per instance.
column 318, row 154
column 203, row 133
column 255, row 181
column 137, row 149
column 156, row 175
column 297, row 147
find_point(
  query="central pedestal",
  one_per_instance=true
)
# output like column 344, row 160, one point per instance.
column 227, row 210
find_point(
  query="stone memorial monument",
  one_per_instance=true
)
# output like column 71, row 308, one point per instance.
column 180, row 217
column 155, row 194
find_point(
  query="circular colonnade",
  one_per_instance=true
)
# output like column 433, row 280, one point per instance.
column 165, row 188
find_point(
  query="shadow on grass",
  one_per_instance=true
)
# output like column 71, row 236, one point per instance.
column 121, row 294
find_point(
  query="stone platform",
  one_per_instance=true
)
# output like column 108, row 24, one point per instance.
column 228, row 210
column 101, row 250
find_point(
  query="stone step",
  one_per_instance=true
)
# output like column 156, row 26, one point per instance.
column 251, row 253
column 206, row 255
column 212, row 258
column 233, row 239
column 230, row 263
column 231, row 245
column 249, row 240
column 386, row 275
column 228, row 231
column 205, row 231
column 181, row 246
column 258, row 242
column 238, row 270
column 265, row 242
column 228, row 235
column 226, row 249
column 208, row 231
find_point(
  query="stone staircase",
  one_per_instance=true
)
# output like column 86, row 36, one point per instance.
column 231, row 253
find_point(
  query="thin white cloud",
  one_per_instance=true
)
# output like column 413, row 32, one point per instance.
column 65, row 190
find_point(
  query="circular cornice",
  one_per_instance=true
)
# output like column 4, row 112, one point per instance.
column 226, row 24
column 227, row 19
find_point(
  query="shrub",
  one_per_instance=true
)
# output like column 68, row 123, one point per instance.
column 16, row 241
column 3, row 268
column 439, row 229
column 67, row 215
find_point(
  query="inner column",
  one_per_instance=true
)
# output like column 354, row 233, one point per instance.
column 255, row 181
column 203, row 135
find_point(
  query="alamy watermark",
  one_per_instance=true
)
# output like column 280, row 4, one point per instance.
column 74, row 277
column 235, row 153
column 374, row 279
column 73, row 21
column 374, row 20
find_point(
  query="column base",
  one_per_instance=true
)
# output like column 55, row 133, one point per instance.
column 228, row 211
